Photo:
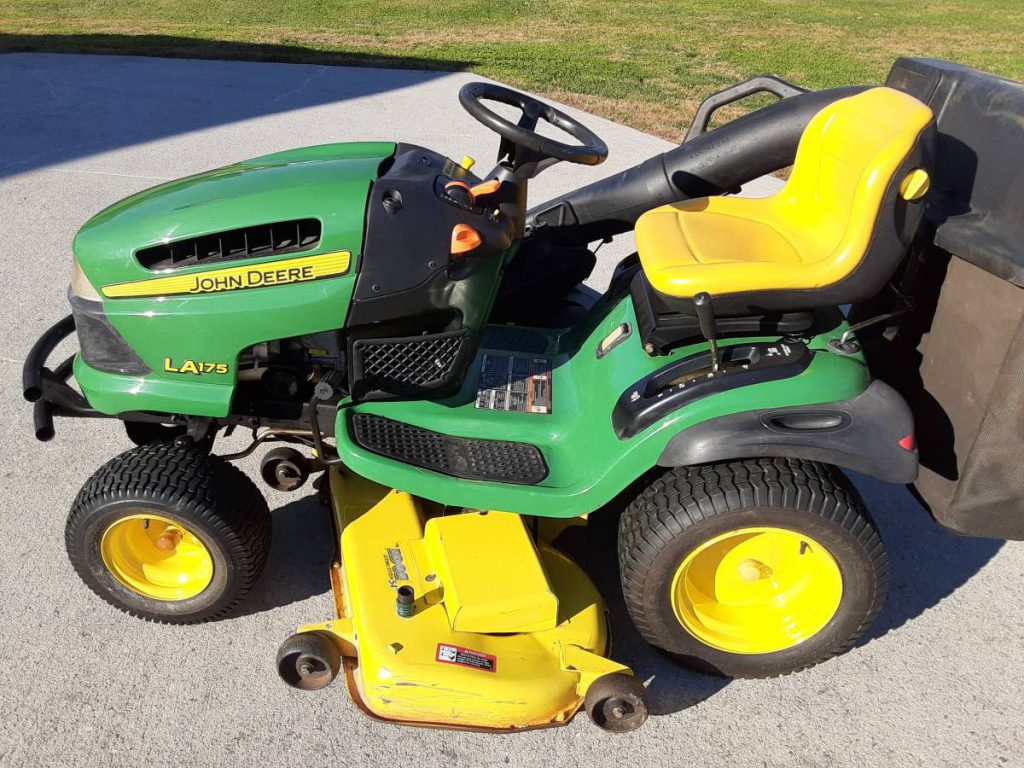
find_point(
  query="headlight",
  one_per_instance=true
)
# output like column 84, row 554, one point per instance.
column 80, row 285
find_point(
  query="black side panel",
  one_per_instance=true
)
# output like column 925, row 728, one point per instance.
column 410, row 285
column 405, row 267
column 710, row 164
column 689, row 379
column 977, row 202
column 861, row 434
column 958, row 359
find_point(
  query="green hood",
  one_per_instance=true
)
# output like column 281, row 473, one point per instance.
column 328, row 182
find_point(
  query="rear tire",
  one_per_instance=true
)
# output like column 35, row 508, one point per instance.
column 690, row 577
column 169, row 533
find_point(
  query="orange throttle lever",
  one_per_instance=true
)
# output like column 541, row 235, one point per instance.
column 467, row 195
column 488, row 187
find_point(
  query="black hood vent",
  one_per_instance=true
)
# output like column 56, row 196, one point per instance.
column 247, row 243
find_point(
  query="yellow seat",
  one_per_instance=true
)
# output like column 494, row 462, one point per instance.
column 858, row 160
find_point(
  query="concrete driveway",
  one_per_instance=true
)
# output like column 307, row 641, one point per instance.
column 937, row 682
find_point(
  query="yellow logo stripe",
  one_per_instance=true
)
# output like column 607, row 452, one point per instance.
column 270, row 273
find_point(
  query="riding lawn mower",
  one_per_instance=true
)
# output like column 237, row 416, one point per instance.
column 419, row 339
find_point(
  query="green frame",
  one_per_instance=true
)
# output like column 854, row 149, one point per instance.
column 588, row 463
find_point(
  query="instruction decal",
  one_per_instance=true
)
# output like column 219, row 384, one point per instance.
column 518, row 384
column 463, row 657
column 394, row 563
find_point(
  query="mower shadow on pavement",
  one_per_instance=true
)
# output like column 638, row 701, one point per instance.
column 927, row 563
column 300, row 558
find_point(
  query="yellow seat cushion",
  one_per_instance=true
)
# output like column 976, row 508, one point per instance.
column 811, row 233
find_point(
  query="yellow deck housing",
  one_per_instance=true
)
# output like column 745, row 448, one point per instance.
column 503, row 635
column 490, row 588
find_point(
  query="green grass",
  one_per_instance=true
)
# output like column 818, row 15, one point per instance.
column 646, row 62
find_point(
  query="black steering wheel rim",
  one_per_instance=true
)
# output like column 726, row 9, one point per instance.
column 590, row 151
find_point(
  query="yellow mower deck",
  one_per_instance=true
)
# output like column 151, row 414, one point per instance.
column 501, row 635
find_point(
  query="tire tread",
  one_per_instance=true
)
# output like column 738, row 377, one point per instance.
column 686, row 496
column 198, row 485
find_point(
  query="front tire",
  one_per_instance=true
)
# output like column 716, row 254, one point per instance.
column 752, row 568
column 169, row 533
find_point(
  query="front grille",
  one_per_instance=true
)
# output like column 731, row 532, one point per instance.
column 261, row 240
column 495, row 460
column 407, row 365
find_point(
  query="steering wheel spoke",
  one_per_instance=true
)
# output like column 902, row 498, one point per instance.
column 531, row 115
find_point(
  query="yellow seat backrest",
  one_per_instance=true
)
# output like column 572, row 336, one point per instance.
column 846, row 159
column 833, row 234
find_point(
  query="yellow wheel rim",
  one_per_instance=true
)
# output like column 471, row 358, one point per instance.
column 757, row 590
column 156, row 557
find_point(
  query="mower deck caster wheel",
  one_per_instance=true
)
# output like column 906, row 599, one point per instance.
column 308, row 661
column 617, row 703
column 284, row 469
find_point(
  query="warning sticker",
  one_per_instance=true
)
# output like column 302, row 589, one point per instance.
column 463, row 657
column 519, row 384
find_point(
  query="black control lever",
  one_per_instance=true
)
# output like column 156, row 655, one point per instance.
column 708, row 329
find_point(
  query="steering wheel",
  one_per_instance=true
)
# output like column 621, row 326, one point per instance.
column 590, row 151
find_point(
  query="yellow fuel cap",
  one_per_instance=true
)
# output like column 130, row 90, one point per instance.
column 467, row 162
column 915, row 184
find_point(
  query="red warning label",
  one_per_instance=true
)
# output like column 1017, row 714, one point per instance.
column 463, row 657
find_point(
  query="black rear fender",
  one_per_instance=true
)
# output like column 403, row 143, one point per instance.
column 870, row 433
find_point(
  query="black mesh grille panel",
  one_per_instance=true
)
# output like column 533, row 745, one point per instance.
column 409, row 365
column 261, row 240
column 401, row 441
column 495, row 460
